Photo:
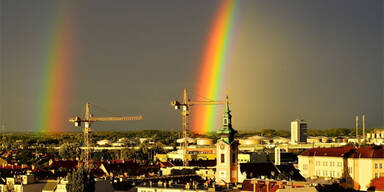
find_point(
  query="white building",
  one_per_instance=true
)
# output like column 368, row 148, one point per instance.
column 358, row 166
column 298, row 131
column 227, row 150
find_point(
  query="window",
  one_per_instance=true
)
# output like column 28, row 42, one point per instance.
column 376, row 175
column 222, row 158
column 381, row 165
column 222, row 174
column 375, row 165
column 233, row 157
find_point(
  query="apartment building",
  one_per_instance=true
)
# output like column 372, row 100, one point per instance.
column 324, row 162
column 358, row 166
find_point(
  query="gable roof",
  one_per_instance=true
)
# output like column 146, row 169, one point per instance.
column 69, row 164
column 260, row 186
column 344, row 151
column 369, row 152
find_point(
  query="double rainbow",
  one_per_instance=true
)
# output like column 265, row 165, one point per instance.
column 212, row 76
column 54, row 86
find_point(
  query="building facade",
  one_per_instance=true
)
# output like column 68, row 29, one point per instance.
column 298, row 131
column 227, row 149
column 357, row 166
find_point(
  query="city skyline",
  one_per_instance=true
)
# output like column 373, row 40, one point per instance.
column 320, row 61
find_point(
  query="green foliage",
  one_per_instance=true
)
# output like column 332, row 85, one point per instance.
column 182, row 171
column 265, row 132
column 81, row 180
column 69, row 150
column 334, row 132
column 24, row 156
column 103, row 155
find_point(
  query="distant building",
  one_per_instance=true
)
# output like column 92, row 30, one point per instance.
column 104, row 142
column 252, row 157
column 376, row 137
column 298, row 131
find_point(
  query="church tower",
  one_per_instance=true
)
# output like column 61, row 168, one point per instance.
column 227, row 149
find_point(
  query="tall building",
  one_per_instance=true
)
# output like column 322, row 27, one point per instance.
column 227, row 149
column 298, row 131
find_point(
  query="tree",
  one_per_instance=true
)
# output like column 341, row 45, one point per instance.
column 81, row 180
column 24, row 156
column 68, row 150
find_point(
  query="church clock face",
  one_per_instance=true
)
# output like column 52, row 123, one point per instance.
column 222, row 146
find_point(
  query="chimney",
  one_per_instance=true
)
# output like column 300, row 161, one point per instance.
column 363, row 126
column 357, row 127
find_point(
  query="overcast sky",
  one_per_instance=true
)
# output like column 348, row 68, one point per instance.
column 317, row 60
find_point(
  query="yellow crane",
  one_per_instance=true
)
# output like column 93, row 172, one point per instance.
column 184, row 106
column 88, row 120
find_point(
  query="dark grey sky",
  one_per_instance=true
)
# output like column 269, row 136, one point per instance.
column 317, row 60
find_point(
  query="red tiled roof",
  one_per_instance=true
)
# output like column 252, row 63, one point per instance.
column 69, row 164
column 329, row 152
column 260, row 186
column 378, row 184
column 369, row 152
column 166, row 164
column 14, row 167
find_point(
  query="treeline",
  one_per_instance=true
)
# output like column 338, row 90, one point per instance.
column 336, row 132
column 166, row 137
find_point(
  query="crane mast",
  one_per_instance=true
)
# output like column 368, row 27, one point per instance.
column 184, row 106
column 87, row 130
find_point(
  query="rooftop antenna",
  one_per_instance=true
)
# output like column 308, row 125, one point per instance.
column 357, row 128
column 363, row 119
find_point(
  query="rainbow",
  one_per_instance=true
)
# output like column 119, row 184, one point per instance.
column 52, row 101
column 212, row 76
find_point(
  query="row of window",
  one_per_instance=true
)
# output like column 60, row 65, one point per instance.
column 378, row 165
column 377, row 175
column 326, row 173
column 329, row 163
column 222, row 158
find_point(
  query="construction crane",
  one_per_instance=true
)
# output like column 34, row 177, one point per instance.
column 184, row 106
column 88, row 120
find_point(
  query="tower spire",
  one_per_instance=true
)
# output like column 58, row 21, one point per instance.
column 226, row 105
column 227, row 150
column 227, row 132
